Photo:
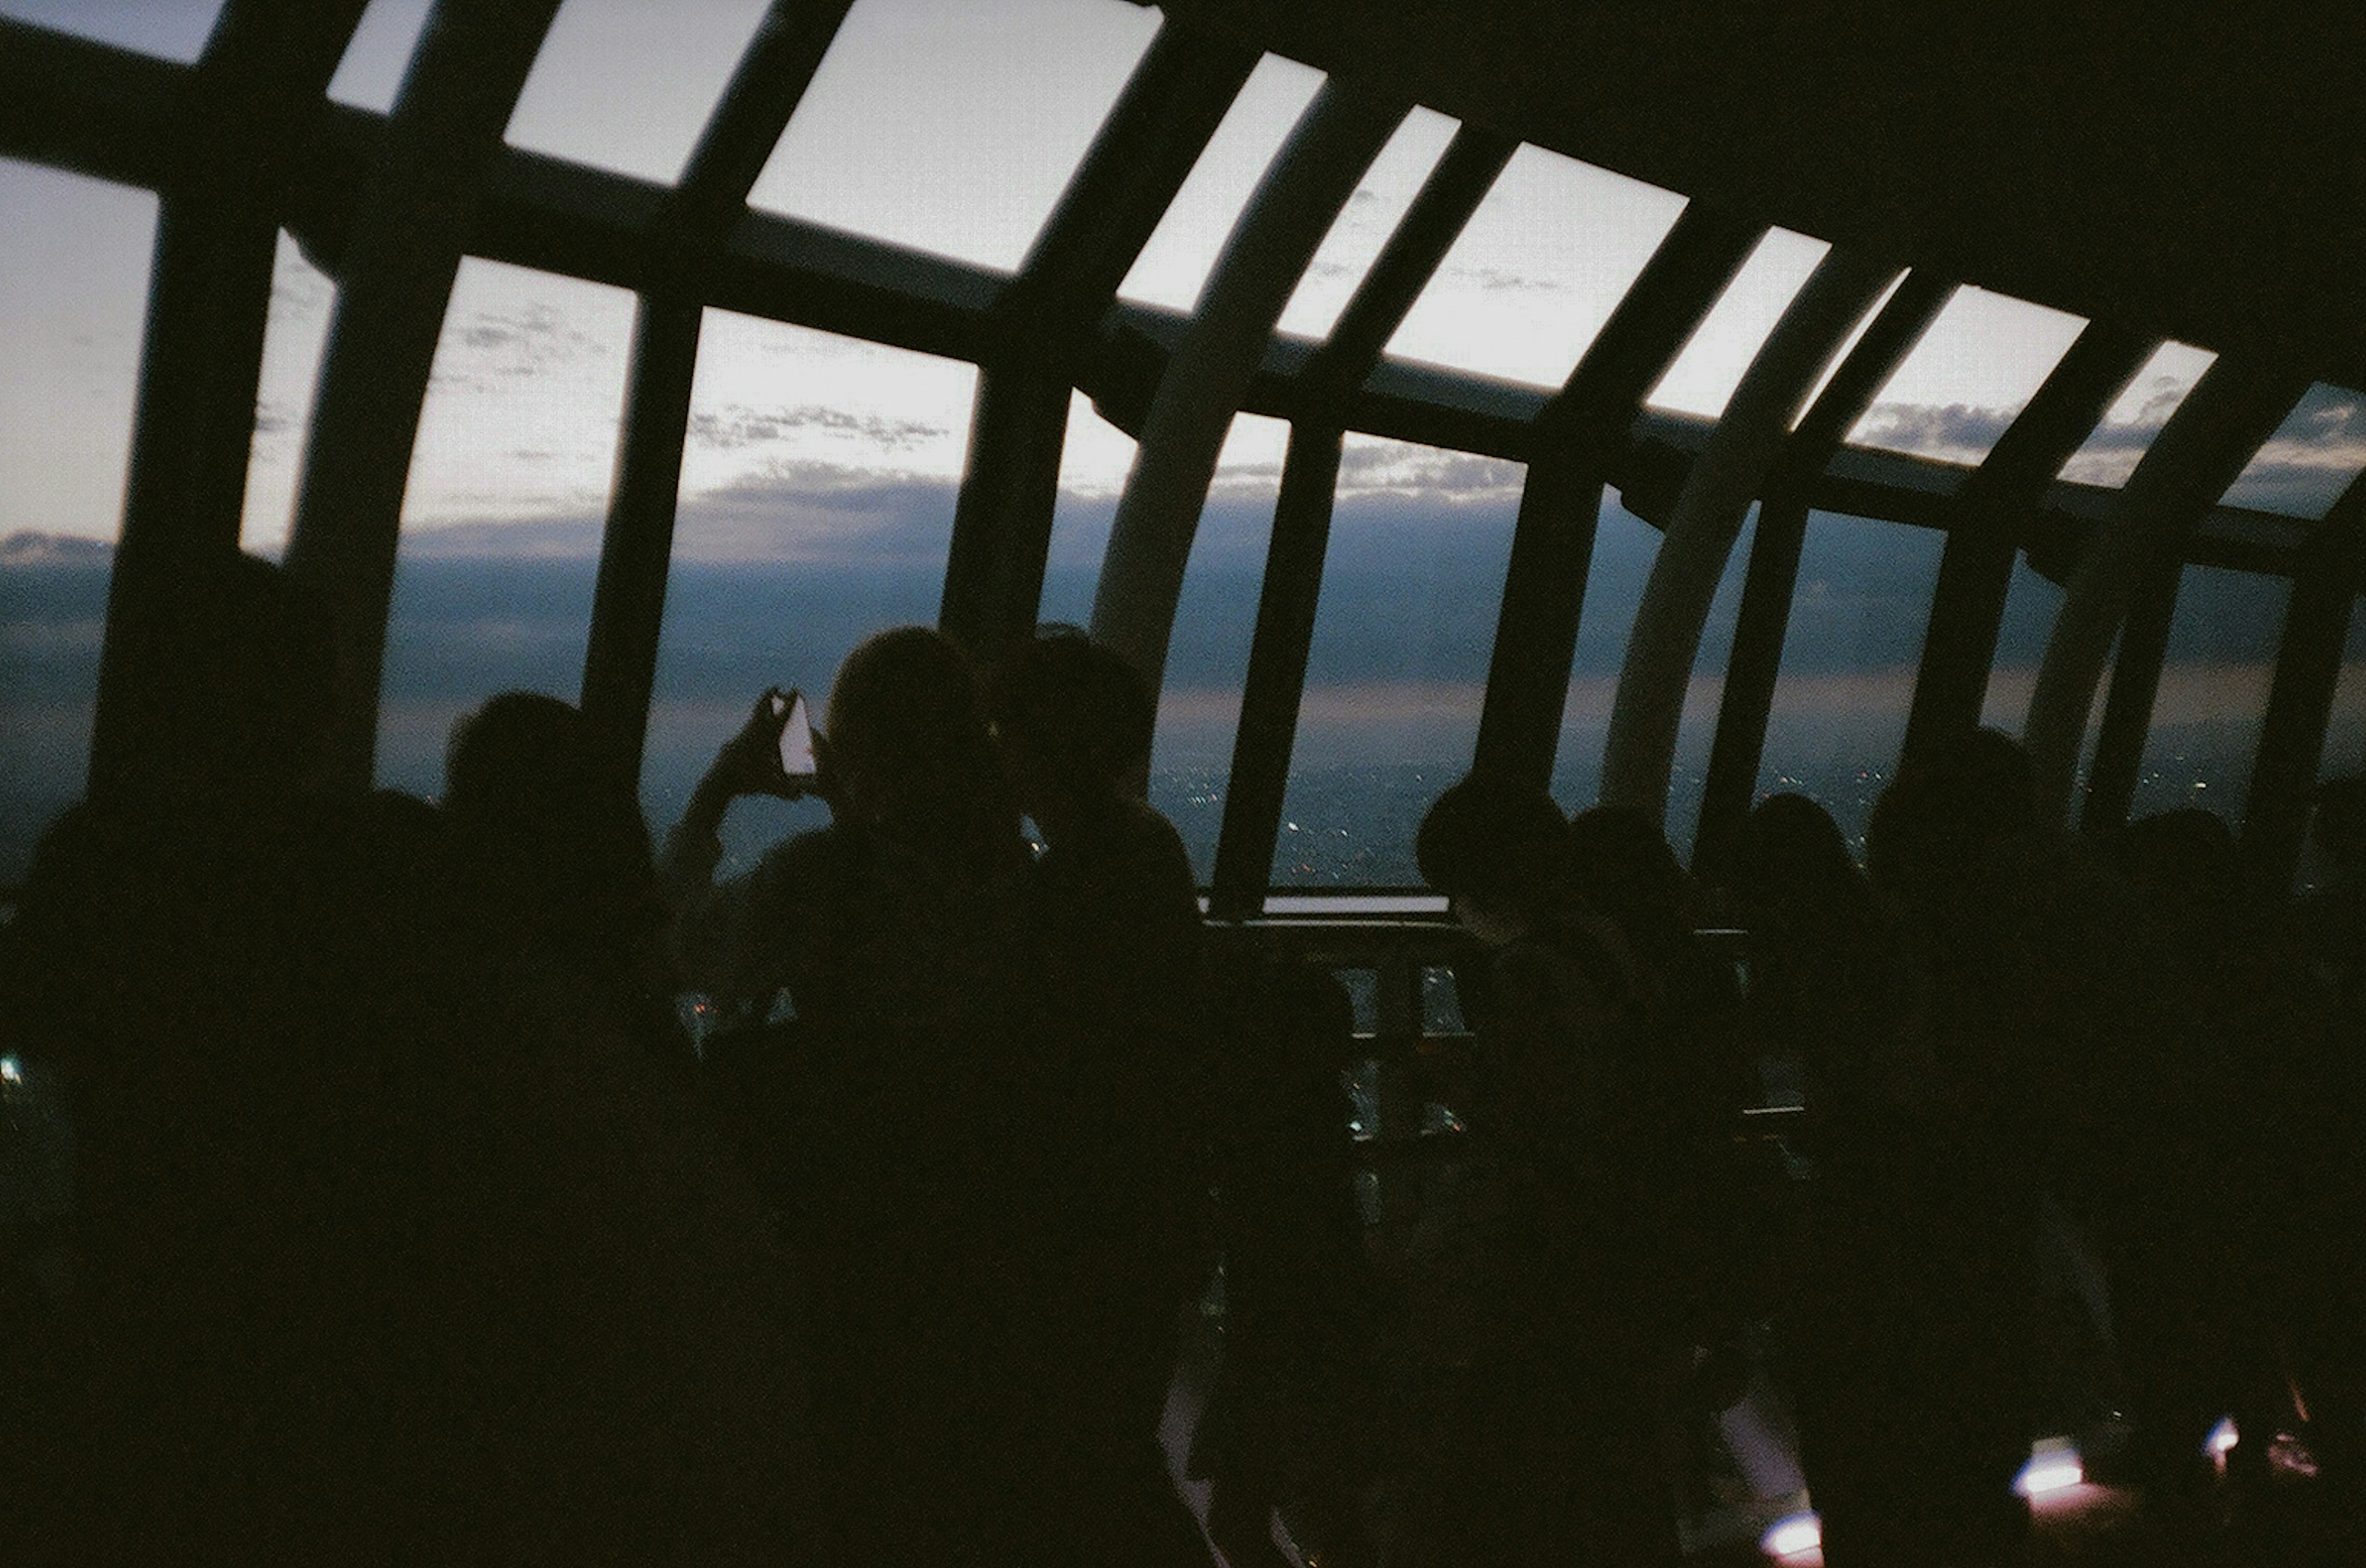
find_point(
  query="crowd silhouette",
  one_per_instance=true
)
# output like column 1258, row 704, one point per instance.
column 410, row 1224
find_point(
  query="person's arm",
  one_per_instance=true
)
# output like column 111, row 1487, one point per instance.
column 711, row 922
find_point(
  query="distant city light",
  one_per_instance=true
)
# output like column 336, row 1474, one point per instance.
column 1789, row 1537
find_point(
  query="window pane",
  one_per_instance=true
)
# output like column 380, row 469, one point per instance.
column 502, row 520
column 2214, row 693
column 1697, row 726
column 174, row 29
column 2310, row 459
column 1411, row 588
column 1093, row 465
column 2030, row 603
column 950, row 126
column 75, row 252
column 1849, row 659
column 627, row 86
column 371, row 73
column 1537, row 270
column 1623, row 548
column 1371, row 215
column 2110, row 455
column 1980, row 360
column 1208, row 660
column 292, row 340
column 1182, row 249
column 1711, row 367
column 817, row 508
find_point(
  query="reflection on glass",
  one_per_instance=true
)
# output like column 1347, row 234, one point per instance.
column 1537, row 270
column 1208, row 658
column 1848, row 660
column 1697, row 726
column 2213, row 693
column 1711, row 367
column 1402, row 633
column 2031, row 603
column 1093, row 465
column 817, row 508
column 75, row 252
column 502, row 517
column 627, row 86
column 2109, row 456
column 1980, row 360
column 950, row 126
column 1182, row 249
column 2310, row 459
column 1623, row 548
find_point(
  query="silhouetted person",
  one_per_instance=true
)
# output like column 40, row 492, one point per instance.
column 1117, row 1168
column 1292, row 1423
column 886, row 1112
column 1554, row 1449
column 2333, row 917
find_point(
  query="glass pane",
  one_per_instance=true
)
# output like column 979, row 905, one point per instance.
column 502, row 517
column 2214, row 693
column 174, row 29
column 1971, row 372
column 1849, row 659
column 1182, row 249
column 1371, row 215
column 817, row 508
column 1623, row 548
column 2110, row 455
column 1093, row 465
column 2310, row 459
column 1536, row 274
column 953, row 127
column 371, row 73
column 627, row 86
column 1441, row 1001
column 1698, row 726
column 75, row 252
column 1208, row 660
column 2031, row 603
column 1711, row 367
column 292, row 340
column 1406, row 623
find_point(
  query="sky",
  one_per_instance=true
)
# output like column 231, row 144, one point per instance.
column 952, row 126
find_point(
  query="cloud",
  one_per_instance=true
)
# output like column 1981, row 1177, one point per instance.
column 736, row 426
column 28, row 549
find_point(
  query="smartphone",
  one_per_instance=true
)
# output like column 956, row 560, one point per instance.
column 796, row 736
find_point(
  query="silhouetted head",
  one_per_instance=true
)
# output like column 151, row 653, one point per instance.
column 2341, row 821
column 1074, row 718
column 2182, row 861
column 1787, row 854
column 1941, row 818
column 906, row 738
column 1498, row 848
column 546, row 819
column 1624, row 867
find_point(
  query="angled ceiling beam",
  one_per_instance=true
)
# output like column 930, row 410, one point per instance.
column 1287, row 600
column 1043, row 323
column 1576, row 438
column 263, row 69
column 1764, row 620
column 1992, row 513
column 1205, row 383
column 409, row 228
column 1639, row 753
column 620, row 655
column 2232, row 409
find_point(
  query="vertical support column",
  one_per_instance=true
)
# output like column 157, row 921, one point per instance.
column 1976, row 567
column 1002, row 524
column 1764, row 620
column 1277, row 674
column 202, row 357
column 637, row 551
column 2300, row 701
column 2222, row 421
column 1640, row 754
column 2128, row 708
column 620, row 658
column 1294, row 206
column 399, row 263
column 1561, row 506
